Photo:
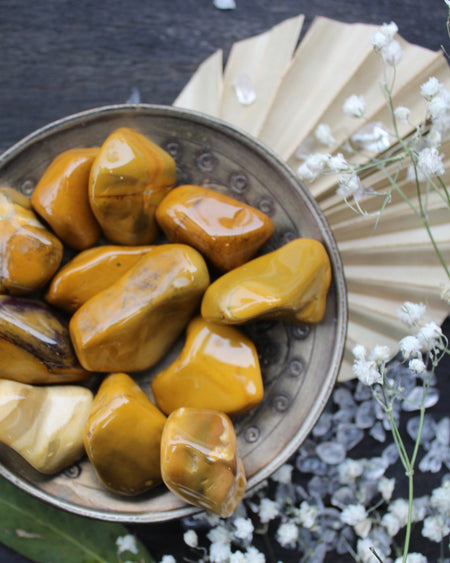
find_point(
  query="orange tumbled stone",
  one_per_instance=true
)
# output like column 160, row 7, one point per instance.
column 227, row 231
column 199, row 460
column 217, row 369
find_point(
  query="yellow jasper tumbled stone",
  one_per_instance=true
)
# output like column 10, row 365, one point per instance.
column 29, row 253
column 128, row 179
column 61, row 197
column 45, row 425
column 290, row 284
column 90, row 272
column 217, row 369
column 123, row 436
column 227, row 231
column 199, row 460
column 130, row 325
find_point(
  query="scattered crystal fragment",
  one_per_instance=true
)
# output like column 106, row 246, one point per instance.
column 346, row 540
column 390, row 454
column 378, row 432
column 349, row 435
column 443, row 431
column 311, row 465
column 362, row 392
column 428, row 428
column 224, row 4
column 319, row 486
column 345, row 415
column 365, row 415
column 331, row 452
column 343, row 497
column 343, row 397
column 375, row 468
column 244, row 89
column 323, row 425
column 414, row 398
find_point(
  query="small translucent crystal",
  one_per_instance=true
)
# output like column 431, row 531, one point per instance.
column 428, row 428
column 331, row 452
column 365, row 415
column 319, row 486
column 343, row 397
column 443, row 431
column 378, row 432
column 362, row 392
column 375, row 468
column 311, row 465
column 414, row 398
column 432, row 461
column 349, row 435
column 224, row 4
column 244, row 89
column 343, row 497
column 323, row 425
column 390, row 454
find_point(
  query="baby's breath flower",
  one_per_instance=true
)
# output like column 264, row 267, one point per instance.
column 392, row 53
column 349, row 470
column 430, row 336
column 438, row 106
column 440, row 498
column 430, row 88
column 305, row 173
column 386, row 488
column 268, row 510
column 219, row 552
column 429, row 162
column 238, row 557
column 307, row 514
column 219, row 534
column 391, row 523
column 410, row 347
column 402, row 113
column 399, row 508
column 349, row 184
column 363, row 528
column 383, row 36
column 190, row 538
column 354, row 106
column 244, row 528
column 168, row 559
column 380, row 354
column 417, row 366
column 435, row 528
column 411, row 314
column 359, row 352
column 337, row 163
column 413, row 558
column 323, row 135
column 287, row 534
column 254, row 556
column 126, row 543
column 353, row 514
column 434, row 138
column 367, row 372
column 364, row 548
column 283, row 474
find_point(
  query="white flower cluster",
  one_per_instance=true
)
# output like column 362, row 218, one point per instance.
column 383, row 42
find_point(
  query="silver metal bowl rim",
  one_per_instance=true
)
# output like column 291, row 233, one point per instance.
column 338, row 276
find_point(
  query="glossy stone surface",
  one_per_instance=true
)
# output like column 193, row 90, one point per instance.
column 227, row 231
column 131, row 325
column 90, row 272
column 35, row 344
column 44, row 425
column 129, row 178
column 29, row 253
column 199, row 461
column 217, row 369
column 290, row 284
column 123, row 436
column 61, row 198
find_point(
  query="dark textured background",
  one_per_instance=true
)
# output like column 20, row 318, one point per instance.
column 59, row 57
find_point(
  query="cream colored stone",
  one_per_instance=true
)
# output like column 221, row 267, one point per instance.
column 44, row 424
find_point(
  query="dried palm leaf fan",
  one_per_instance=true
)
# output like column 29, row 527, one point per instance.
column 280, row 94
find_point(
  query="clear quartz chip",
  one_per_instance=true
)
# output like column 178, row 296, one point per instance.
column 243, row 87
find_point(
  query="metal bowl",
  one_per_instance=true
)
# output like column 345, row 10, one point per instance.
column 299, row 363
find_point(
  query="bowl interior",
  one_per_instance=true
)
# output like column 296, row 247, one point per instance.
column 299, row 363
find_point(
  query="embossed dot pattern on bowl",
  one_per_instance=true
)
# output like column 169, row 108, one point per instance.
column 299, row 363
